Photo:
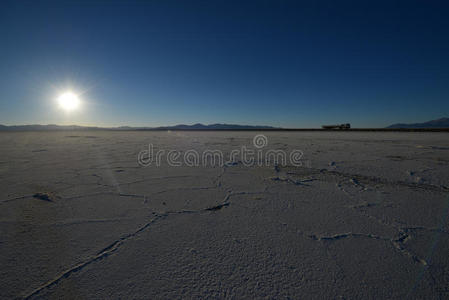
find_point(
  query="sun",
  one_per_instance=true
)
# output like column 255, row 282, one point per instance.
column 68, row 101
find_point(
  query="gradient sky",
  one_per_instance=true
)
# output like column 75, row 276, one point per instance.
column 279, row 63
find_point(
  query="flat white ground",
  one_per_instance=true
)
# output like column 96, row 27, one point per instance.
column 365, row 216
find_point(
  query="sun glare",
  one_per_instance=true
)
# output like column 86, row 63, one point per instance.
column 68, row 101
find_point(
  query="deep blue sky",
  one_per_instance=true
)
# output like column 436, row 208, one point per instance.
column 280, row 63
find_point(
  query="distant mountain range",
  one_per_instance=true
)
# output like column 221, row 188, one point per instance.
column 440, row 123
column 198, row 126
column 436, row 124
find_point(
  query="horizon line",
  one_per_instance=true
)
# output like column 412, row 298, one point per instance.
column 73, row 127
